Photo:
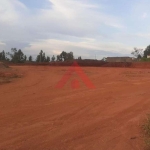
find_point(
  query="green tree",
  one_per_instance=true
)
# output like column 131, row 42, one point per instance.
column 64, row 56
column 38, row 58
column 59, row 58
column 21, row 56
column 79, row 58
column 138, row 53
column 41, row 57
column 17, row 56
column 147, row 51
column 48, row 59
column 53, row 58
column 70, row 56
column 104, row 59
column 25, row 58
column 30, row 58
column 2, row 56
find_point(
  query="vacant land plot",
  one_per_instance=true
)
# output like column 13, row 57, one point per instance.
column 34, row 115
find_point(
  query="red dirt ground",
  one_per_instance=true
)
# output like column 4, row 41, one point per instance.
column 36, row 116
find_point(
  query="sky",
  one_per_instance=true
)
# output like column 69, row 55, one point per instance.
column 89, row 28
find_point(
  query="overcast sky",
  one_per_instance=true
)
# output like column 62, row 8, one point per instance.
column 86, row 27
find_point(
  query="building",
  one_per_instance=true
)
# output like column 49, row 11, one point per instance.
column 148, row 56
column 119, row 59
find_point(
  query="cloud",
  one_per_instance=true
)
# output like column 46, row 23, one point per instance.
column 144, row 35
column 144, row 15
column 69, row 25
column 73, row 18
column 9, row 12
column 1, row 43
column 88, row 48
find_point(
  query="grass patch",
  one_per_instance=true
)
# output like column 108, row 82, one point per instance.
column 146, row 129
column 145, row 59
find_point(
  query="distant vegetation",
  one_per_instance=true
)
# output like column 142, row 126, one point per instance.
column 141, row 54
column 17, row 56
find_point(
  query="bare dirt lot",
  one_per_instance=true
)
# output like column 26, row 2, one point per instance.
column 34, row 115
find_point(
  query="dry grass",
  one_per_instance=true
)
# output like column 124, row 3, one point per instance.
column 146, row 129
column 7, row 75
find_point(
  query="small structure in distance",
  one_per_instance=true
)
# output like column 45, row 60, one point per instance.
column 148, row 56
column 119, row 59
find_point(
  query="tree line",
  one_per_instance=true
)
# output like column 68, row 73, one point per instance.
column 17, row 56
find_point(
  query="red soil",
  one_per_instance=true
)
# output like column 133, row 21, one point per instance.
column 36, row 116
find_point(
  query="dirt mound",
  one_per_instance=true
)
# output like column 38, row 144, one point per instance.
column 3, row 65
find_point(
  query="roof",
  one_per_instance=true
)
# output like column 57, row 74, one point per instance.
column 119, row 57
